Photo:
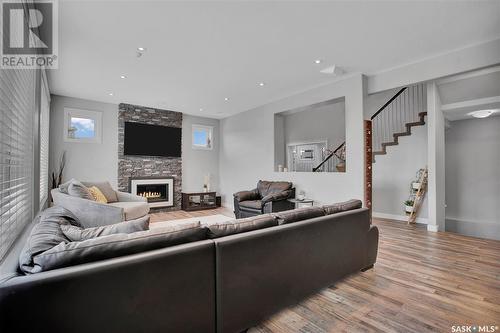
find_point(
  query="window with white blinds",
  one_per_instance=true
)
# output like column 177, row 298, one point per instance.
column 17, row 106
column 44, row 141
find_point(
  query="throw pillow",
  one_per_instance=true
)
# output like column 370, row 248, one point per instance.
column 342, row 206
column 45, row 234
column 111, row 246
column 76, row 234
column 97, row 194
column 105, row 188
column 77, row 189
column 241, row 225
column 305, row 213
column 63, row 188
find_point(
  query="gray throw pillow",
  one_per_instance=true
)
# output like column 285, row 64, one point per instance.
column 77, row 189
column 342, row 206
column 63, row 188
column 105, row 188
column 46, row 234
column 111, row 246
column 76, row 234
column 241, row 225
column 300, row 214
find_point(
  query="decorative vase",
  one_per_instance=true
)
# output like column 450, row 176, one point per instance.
column 416, row 185
column 340, row 167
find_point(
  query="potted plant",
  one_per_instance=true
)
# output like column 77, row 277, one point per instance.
column 409, row 206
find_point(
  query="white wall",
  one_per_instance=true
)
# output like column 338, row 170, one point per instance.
column 196, row 163
column 85, row 161
column 90, row 162
column 466, row 59
column 247, row 146
column 326, row 122
column 392, row 173
column 435, row 159
column 473, row 177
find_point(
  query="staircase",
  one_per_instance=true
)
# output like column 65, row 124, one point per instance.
column 405, row 110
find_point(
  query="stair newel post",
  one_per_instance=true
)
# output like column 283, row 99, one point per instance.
column 368, row 133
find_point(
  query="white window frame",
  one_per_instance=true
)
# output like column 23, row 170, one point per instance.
column 96, row 116
column 210, row 132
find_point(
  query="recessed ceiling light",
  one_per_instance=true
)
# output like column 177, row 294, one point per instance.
column 261, row 84
column 201, row 109
column 226, row 99
column 123, row 76
column 482, row 113
column 141, row 49
column 318, row 61
column 110, row 94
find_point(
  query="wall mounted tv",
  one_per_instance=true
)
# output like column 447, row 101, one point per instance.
column 152, row 140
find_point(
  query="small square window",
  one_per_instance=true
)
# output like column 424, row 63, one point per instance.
column 82, row 126
column 202, row 137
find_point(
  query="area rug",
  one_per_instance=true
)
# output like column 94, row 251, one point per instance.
column 204, row 220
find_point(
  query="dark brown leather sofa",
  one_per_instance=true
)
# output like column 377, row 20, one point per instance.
column 267, row 197
column 261, row 272
column 227, row 284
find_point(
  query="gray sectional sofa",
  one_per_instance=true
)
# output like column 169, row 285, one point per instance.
column 227, row 279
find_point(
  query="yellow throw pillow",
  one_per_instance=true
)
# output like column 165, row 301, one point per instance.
column 97, row 194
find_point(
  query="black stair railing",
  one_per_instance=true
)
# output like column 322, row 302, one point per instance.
column 334, row 153
column 396, row 114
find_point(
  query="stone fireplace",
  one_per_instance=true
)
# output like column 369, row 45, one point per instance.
column 150, row 168
column 158, row 191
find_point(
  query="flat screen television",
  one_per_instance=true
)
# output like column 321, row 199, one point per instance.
column 152, row 140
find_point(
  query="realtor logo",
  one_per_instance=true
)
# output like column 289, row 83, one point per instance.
column 29, row 34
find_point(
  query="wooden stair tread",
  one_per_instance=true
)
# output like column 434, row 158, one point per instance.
column 401, row 134
column 416, row 123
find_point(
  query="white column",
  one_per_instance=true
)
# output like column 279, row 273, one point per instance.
column 435, row 159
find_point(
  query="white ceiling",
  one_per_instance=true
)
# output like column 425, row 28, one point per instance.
column 468, row 92
column 200, row 52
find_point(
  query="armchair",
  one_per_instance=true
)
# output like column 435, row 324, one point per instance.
column 268, row 197
column 123, row 207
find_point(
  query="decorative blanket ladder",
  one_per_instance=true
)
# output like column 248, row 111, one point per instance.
column 419, row 195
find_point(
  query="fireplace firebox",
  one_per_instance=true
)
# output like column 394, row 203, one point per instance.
column 158, row 191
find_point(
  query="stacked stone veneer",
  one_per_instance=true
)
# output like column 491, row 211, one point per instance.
column 148, row 166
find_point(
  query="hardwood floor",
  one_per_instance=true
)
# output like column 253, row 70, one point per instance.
column 422, row 282
column 180, row 214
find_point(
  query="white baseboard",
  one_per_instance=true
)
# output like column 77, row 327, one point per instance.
column 432, row 227
column 398, row 217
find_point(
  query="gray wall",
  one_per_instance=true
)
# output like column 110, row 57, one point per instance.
column 196, row 163
column 85, row 161
column 473, row 177
column 100, row 161
column 247, row 146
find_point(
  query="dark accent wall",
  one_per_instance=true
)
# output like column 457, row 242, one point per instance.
column 148, row 166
